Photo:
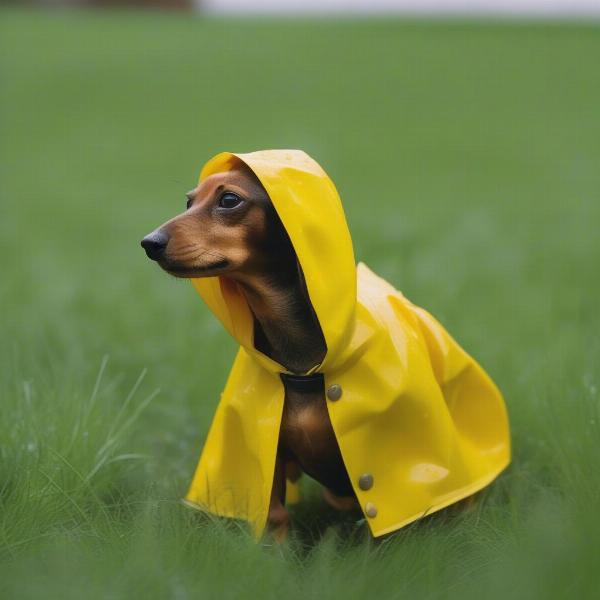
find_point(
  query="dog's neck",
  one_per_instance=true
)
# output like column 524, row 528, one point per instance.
column 286, row 328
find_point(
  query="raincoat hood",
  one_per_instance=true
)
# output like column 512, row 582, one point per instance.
column 310, row 209
column 417, row 414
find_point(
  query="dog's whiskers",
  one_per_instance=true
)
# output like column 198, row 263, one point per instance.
column 195, row 255
column 188, row 246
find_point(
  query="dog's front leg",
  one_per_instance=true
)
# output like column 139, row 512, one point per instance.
column 278, row 518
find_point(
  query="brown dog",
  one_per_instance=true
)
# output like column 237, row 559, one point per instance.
column 230, row 228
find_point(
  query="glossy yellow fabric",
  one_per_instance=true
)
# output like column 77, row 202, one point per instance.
column 417, row 412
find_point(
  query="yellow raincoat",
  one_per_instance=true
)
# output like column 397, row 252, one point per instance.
column 417, row 415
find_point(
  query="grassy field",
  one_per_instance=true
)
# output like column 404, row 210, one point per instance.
column 468, row 159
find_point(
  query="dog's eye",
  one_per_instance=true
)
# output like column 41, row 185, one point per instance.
column 230, row 200
column 189, row 203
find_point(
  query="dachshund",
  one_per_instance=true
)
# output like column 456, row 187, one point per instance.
column 230, row 228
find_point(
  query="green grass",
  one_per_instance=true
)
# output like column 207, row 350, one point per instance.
column 468, row 158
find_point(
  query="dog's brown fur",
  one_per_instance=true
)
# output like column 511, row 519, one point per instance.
column 249, row 245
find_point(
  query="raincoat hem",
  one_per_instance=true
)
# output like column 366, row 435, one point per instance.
column 461, row 494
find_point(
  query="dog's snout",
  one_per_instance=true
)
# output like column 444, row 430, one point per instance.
column 155, row 243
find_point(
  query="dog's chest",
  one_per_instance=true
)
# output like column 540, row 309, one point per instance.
column 308, row 437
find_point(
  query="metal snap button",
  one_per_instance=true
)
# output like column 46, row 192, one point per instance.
column 334, row 392
column 365, row 481
column 370, row 510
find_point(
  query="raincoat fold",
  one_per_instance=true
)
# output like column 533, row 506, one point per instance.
column 416, row 413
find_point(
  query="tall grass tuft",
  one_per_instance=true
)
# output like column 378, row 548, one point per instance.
column 65, row 459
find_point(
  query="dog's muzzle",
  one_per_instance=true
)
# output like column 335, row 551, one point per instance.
column 155, row 243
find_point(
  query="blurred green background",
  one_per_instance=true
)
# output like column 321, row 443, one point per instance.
column 467, row 155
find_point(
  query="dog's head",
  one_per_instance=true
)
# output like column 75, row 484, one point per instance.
column 229, row 226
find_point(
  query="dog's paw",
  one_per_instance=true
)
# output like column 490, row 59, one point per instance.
column 345, row 503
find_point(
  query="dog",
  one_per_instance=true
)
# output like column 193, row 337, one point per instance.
column 417, row 410
column 231, row 228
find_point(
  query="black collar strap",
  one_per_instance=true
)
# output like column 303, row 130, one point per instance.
column 303, row 384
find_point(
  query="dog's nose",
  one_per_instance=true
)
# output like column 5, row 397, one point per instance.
column 155, row 243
